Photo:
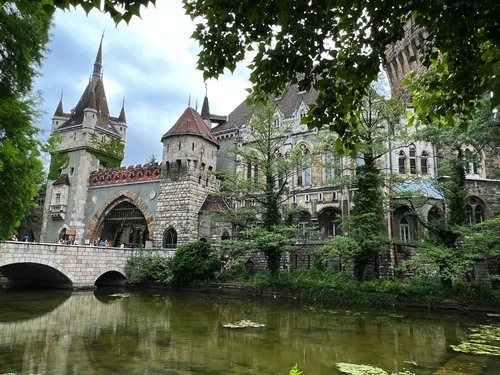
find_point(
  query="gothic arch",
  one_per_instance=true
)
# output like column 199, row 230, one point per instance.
column 110, row 203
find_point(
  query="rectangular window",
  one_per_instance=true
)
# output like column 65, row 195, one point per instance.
column 58, row 198
column 423, row 166
column 306, row 198
column 320, row 197
column 71, row 171
column 402, row 166
column 294, row 199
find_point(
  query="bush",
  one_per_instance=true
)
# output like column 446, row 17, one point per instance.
column 194, row 261
column 146, row 267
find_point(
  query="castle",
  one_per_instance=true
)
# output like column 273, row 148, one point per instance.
column 90, row 196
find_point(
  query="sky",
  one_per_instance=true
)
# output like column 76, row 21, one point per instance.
column 150, row 63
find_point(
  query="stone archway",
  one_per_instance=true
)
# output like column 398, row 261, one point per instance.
column 124, row 201
column 329, row 222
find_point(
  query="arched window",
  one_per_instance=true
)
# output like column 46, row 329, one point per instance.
column 404, row 230
column 413, row 160
column 304, row 171
column 424, row 166
column 401, row 162
column 475, row 210
column 478, row 214
column 472, row 162
column 328, row 166
column 225, row 236
column 170, row 238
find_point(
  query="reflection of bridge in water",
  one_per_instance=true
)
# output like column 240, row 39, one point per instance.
column 60, row 339
column 37, row 264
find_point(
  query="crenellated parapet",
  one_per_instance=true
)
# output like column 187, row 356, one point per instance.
column 126, row 175
column 405, row 56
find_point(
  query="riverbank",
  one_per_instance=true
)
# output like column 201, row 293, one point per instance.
column 340, row 299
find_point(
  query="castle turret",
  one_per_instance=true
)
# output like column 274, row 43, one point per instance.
column 89, row 139
column 189, row 157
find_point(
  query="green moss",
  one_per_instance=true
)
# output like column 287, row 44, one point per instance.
column 110, row 152
column 58, row 160
column 484, row 340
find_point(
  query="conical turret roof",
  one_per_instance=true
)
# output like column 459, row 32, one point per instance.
column 191, row 123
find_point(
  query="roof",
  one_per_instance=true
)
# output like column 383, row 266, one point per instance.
column 214, row 203
column 288, row 104
column 63, row 179
column 93, row 97
column 426, row 188
column 191, row 123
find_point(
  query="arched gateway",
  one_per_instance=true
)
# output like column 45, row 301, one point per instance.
column 124, row 219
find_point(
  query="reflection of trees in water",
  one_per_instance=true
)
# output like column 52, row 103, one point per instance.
column 180, row 334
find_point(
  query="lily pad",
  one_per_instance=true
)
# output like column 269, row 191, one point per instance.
column 243, row 324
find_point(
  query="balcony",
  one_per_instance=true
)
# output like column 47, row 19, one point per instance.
column 58, row 211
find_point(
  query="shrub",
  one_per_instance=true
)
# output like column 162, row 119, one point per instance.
column 194, row 261
column 146, row 267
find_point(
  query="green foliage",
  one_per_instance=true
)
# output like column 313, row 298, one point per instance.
column 340, row 289
column 110, row 152
column 145, row 267
column 118, row 10
column 23, row 38
column 324, row 44
column 58, row 160
column 343, row 249
column 194, row 261
column 337, row 47
column 295, row 370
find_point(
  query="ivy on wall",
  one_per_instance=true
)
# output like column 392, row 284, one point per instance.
column 110, row 152
column 58, row 160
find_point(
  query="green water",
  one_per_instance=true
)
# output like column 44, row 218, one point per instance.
column 51, row 332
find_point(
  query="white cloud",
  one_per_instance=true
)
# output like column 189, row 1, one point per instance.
column 151, row 63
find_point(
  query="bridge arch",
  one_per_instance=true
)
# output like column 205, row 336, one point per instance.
column 25, row 270
column 97, row 222
column 110, row 276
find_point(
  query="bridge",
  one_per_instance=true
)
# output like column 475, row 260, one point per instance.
column 66, row 266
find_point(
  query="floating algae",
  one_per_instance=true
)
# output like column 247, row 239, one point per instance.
column 350, row 368
column 243, row 324
column 483, row 340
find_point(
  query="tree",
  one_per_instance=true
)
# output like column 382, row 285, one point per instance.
column 450, row 244
column 338, row 46
column 264, row 166
column 23, row 39
column 366, row 222
column 194, row 261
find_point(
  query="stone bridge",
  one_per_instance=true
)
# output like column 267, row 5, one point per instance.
column 66, row 266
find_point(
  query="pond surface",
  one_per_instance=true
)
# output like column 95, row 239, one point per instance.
column 156, row 332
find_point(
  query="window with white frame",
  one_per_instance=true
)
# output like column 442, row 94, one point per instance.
column 404, row 230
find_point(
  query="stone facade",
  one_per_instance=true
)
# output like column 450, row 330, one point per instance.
column 166, row 204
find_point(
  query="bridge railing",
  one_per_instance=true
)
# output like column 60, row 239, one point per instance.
column 55, row 247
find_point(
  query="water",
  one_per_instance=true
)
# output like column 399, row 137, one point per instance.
column 56, row 332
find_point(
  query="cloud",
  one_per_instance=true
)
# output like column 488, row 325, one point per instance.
column 151, row 63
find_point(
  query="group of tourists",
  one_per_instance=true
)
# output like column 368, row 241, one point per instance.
column 25, row 238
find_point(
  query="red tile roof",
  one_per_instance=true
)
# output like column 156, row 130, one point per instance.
column 191, row 123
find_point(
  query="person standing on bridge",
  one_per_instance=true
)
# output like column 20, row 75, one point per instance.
column 14, row 237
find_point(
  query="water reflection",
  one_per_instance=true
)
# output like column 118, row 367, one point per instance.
column 118, row 333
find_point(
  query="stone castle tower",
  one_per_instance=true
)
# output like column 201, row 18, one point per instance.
column 189, row 158
column 404, row 56
column 87, row 138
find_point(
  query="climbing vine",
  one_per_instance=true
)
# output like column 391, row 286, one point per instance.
column 110, row 152
column 58, row 160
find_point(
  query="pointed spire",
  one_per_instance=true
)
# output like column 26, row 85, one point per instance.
column 92, row 101
column 189, row 101
column 98, row 60
column 122, row 117
column 59, row 110
column 205, row 109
